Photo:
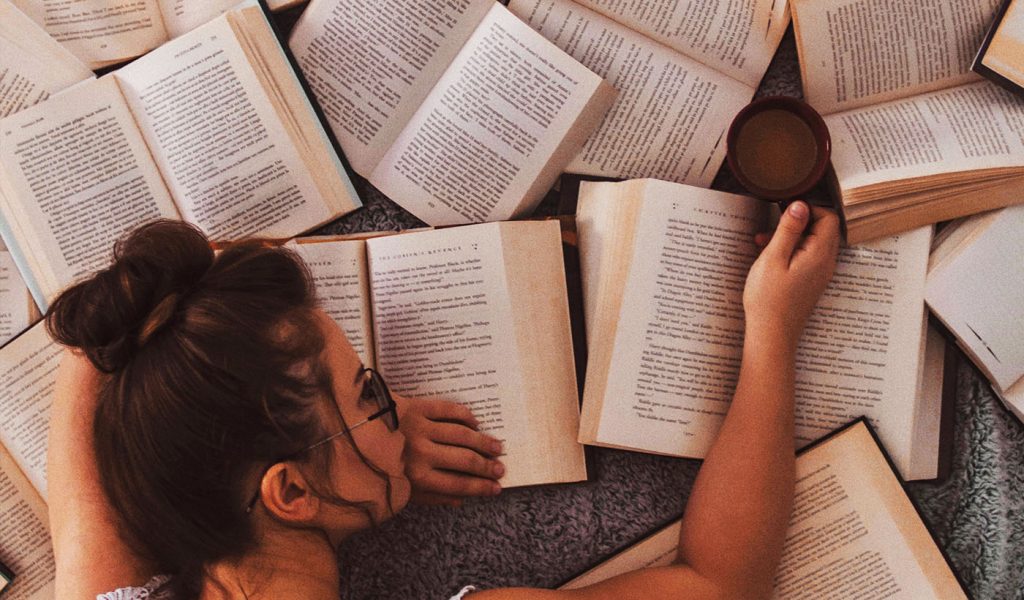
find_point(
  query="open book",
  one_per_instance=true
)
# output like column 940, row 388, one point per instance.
column 213, row 128
column 28, row 374
column 32, row 65
column 664, row 266
column 854, row 532
column 458, row 111
column 105, row 32
column 476, row 315
column 917, row 137
column 683, row 70
column 17, row 310
column 975, row 287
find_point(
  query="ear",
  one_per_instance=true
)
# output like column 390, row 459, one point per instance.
column 287, row 495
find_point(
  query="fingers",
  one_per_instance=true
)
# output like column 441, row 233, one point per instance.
column 788, row 234
column 442, row 410
column 454, row 434
column 456, row 485
column 823, row 237
column 463, row 460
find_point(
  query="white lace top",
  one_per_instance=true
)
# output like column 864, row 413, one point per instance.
column 155, row 589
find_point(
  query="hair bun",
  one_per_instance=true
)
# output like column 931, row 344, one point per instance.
column 114, row 313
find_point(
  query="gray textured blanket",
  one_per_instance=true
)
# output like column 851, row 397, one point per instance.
column 542, row 536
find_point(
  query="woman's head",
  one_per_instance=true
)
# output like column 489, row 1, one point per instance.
column 218, row 367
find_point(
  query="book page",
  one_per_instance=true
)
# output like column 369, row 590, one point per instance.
column 233, row 172
column 853, row 533
column 76, row 175
column 486, row 143
column 15, row 302
column 24, row 536
column 28, row 374
column 100, row 32
column 32, row 65
column 989, row 320
column 182, row 16
column 371, row 64
column 677, row 347
column 975, row 126
column 670, row 118
column 859, row 52
column 734, row 37
column 342, row 285
column 1005, row 53
column 445, row 328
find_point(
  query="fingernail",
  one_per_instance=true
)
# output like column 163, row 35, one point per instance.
column 495, row 489
column 798, row 210
column 495, row 447
column 498, row 469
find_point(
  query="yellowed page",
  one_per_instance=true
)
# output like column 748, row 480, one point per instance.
column 989, row 318
column 1005, row 53
column 28, row 373
column 234, row 172
column 445, row 327
column 24, row 535
column 479, row 142
column 859, row 52
column 15, row 301
column 924, row 455
column 672, row 112
column 737, row 38
column 100, row 32
column 853, row 533
column 76, row 175
column 535, row 273
column 342, row 285
column 371, row 64
column 33, row 66
column 969, row 127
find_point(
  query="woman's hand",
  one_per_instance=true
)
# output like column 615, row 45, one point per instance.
column 785, row 282
column 446, row 458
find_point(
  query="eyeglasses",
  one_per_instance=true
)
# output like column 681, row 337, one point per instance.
column 374, row 390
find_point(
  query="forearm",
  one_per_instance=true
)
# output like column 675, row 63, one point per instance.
column 739, row 507
column 90, row 555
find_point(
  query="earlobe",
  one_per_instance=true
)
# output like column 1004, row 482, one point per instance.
column 287, row 495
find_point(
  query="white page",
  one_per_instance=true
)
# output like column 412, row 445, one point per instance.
column 679, row 340
column 861, row 52
column 78, row 177
column 342, row 285
column 670, row 118
column 234, row 172
column 25, row 545
column 15, row 312
column 444, row 327
column 33, row 66
column 969, row 127
column 28, row 374
column 371, row 63
column 489, row 127
column 182, row 16
column 735, row 37
column 979, row 294
column 99, row 32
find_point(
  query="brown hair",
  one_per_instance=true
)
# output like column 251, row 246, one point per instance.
column 201, row 352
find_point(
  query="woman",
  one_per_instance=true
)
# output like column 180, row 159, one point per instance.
column 212, row 424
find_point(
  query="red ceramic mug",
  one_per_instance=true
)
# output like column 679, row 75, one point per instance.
column 778, row 148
